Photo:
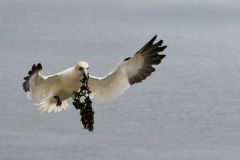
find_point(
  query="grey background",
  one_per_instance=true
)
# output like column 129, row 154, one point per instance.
column 187, row 110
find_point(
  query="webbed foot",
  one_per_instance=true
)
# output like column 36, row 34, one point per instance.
column 59, row 102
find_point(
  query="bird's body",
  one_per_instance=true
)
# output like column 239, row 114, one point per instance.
column 67, row 82
column 48, row 91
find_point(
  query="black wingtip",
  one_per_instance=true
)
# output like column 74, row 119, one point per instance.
column 39, row 66
column 34, row 69
column 162, row 48
column 147, row 45
column 162, row 56
column 154, row 38
column 160, row 43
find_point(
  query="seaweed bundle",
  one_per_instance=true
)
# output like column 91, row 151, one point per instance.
column 85, row 106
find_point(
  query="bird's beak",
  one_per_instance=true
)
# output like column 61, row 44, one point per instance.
column 85, row 73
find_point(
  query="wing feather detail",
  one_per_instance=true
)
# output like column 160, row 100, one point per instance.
column 35, row 69
column 132, row 70
column 38, row 85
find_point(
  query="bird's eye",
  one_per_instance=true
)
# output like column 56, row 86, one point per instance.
column 80, row 68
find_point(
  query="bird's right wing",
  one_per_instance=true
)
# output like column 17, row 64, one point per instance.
column 38, row 85
column 132, row 70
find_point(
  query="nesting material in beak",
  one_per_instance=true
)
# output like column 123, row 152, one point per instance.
column 85, row 73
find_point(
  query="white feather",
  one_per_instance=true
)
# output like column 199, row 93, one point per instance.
column 43, row 89
column 109, row 87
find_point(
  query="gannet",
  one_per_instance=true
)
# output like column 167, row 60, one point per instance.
column 51, row 92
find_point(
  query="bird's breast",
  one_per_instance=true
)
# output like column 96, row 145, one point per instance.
column 67, row 87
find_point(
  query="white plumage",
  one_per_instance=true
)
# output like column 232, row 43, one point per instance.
column 42, row 90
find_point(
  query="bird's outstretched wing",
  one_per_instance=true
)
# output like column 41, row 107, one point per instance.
column 132, row 70
column 38, row 85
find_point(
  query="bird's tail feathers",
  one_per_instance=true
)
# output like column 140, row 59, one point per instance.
column 49, row 104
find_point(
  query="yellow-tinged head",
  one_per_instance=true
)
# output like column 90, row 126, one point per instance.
column 82, row 66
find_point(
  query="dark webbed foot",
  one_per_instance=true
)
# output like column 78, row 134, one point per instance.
column 59, row 102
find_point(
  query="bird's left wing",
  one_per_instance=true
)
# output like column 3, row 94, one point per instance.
column 132, row 70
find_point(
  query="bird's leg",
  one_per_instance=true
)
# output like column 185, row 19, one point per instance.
column 59, row 102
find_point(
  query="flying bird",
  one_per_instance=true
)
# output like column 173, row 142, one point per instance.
column 51, row 92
